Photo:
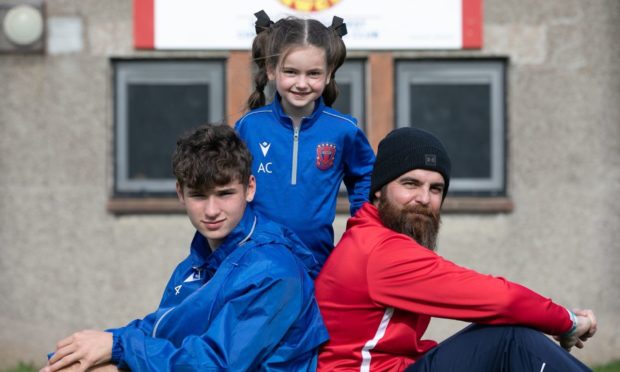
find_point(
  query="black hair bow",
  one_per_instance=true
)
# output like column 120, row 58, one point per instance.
column 262, row 22
column 339, row 26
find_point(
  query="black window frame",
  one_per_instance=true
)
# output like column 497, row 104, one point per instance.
column 463, row 71
column 353, row 72
column 158, row 71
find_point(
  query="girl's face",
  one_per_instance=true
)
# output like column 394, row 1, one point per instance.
column 301, row 77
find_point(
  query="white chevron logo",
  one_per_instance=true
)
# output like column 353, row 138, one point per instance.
column 264, row 147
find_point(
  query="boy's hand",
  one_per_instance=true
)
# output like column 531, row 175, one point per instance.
column 106, row 367
column 81, row 351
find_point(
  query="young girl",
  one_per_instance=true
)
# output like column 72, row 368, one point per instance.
column 303, row 149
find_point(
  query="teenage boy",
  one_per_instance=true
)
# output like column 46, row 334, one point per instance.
column 242, row 300
column 383, row 283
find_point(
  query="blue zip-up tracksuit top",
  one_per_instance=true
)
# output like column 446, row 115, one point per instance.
column 247, row 306
column 299, row 171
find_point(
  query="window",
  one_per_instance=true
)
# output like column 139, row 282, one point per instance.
column 155, row 102
column 350, row 79
column 463, row 103
column 350, row 101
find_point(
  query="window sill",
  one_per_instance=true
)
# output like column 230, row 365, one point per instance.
column 462, row 204
column 171, row 205
column 153, row 205
column 457, row 204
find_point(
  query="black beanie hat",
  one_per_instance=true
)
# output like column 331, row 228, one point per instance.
column 405, row 149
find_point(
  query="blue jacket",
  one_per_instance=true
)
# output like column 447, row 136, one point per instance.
column 247, row 306
column 299, row 171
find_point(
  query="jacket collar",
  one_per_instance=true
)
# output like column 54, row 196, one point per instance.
column 201, row 254
column 283, row 118
column 367, row 213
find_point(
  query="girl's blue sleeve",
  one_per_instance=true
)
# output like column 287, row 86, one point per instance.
column 245, row 330
column 359, row 158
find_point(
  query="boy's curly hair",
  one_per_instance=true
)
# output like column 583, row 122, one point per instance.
column 211, row 155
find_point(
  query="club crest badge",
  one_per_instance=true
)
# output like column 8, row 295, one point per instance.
column 325, row 155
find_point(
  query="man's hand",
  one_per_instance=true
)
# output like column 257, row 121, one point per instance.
column 81, row 351
column 586, row 328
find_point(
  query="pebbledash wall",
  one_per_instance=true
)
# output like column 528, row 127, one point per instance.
column 67, row 262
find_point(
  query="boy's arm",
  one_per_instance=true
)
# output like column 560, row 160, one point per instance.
column 245, row 331
column 93, row 346
column 144, row 325
column 168, row 300
column 359, row 159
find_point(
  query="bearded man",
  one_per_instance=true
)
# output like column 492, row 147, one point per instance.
column 384, row 282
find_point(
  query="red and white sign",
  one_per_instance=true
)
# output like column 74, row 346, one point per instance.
column 371, row 24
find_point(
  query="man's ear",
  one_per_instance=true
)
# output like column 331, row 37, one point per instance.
column 251, row 189
column 180, row 194
column 377, row 196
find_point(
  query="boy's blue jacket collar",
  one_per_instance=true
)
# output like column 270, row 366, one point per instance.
column 201, row 254
column 202, row 257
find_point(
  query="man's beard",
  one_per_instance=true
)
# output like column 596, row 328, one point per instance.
column 415, row 221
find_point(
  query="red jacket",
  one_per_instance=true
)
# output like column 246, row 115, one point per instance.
column 379, row 289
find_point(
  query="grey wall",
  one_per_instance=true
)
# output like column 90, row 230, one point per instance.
column 67, row 264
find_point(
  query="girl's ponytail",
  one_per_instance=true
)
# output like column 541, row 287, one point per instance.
column 331, row 92
column 259, row 56
column 336, row 54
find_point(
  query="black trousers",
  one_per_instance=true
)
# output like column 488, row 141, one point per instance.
column 481, row 348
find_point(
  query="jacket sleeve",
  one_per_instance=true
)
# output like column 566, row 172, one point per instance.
column 359, row 159
column 244, row 331
column 405, row 275
column 142, row 327
column 145, row 325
